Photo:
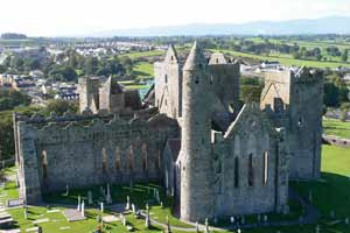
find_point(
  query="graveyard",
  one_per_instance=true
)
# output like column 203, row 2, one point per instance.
column 146, row 208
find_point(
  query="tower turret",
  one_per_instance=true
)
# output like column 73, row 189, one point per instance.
column 196, row 191
column 88, row 93
column 169, row 83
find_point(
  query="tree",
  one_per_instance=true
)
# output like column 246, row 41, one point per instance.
column 345, row 55
column 91, row 66
column 61, row 106
column 11, row 98
column 63, row 73
column 331, row 95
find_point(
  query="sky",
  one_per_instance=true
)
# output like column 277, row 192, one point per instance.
column 77, row 17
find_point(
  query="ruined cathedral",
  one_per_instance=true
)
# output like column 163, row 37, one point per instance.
column 216, row 156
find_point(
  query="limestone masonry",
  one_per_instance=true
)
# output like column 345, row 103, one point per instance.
column 215, row 156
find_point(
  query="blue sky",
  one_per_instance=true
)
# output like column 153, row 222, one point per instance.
column 75, row 17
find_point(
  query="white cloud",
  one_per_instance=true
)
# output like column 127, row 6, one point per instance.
column 64, row 17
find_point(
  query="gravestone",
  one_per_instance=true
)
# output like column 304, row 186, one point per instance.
column 102, row 208
column 108, row 196
column 124, row 220
column 265, row 218
column 73, row 215
column 206, row 229
column 25, row 212
column 79, row 200
column 83, row 209
column 127, row 207
column 232, row 220
column 133, row 208
column 148, row 220
column 15, row 202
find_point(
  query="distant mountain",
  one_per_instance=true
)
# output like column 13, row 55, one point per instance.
column 337, row 25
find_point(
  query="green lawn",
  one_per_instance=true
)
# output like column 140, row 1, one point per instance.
column 152, row 53
column 144, row 70
column 337, row 128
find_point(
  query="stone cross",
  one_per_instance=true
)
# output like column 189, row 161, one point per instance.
column 102, row 208
column 197, row 227
column 79, row 200
column 127, row 207
column 83, row 208
column 133, row 208
column 90, row 202
column 148, row 221
column 108, row 196
column 206, row 230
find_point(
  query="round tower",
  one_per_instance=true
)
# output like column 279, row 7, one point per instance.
column 196, row 192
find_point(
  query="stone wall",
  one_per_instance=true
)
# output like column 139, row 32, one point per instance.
column 250, row 170
column 305, row 125
column 294, row 101
column 84, row 153
column 225, row 84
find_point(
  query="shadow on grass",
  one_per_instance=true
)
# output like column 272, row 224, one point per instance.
column 330, row 194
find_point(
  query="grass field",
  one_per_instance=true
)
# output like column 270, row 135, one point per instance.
column 151, row 53
column 144, row 70
column 337, row 128
column 285, row 59
column 332, row 193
